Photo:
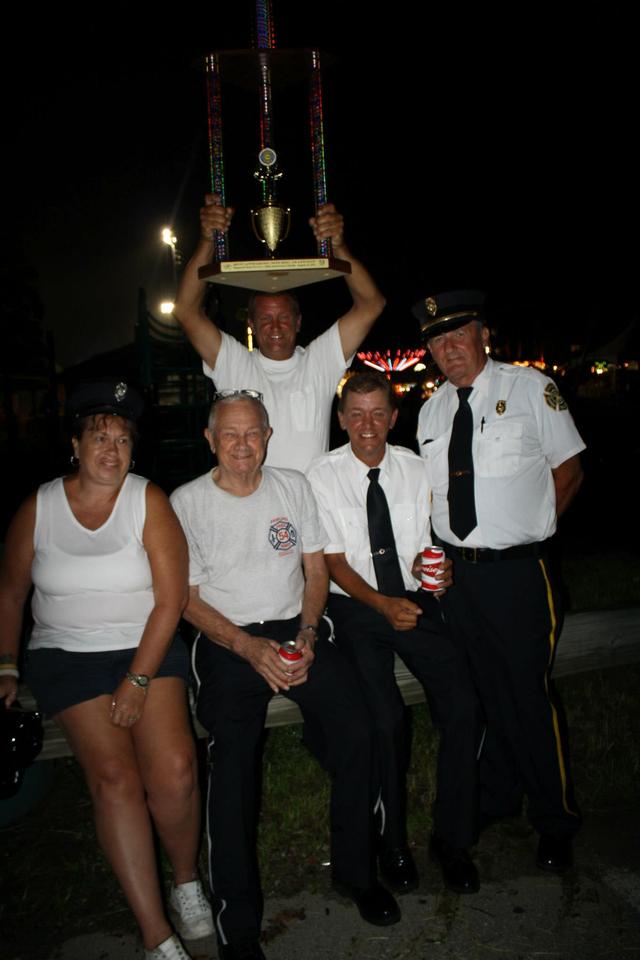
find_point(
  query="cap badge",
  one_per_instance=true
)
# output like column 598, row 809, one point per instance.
column 120, row 391
column 431, row 306
column 501, row 406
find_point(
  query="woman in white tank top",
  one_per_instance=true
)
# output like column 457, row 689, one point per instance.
column 108, row 562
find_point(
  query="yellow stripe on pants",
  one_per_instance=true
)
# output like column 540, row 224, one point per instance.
column 554, row 714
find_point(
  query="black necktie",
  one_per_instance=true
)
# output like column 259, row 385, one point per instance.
column 462, row 505
column 383, row 544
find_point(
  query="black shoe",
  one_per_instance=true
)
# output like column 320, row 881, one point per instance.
column 248, row 949
column 458, row 869
column 376, row 905
column 399, row 870
column 554, row 853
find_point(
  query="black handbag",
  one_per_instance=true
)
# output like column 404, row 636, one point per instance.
column 21, row 736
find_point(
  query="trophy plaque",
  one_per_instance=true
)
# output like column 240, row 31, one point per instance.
column 263, row 71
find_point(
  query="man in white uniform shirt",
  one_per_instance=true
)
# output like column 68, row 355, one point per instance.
column 298, row 385
column 257, row 580
column 502, row 453
column 378, row 611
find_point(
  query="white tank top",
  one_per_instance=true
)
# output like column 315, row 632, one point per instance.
column 93, row 588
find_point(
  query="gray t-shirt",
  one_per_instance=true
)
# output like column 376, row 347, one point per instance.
column 245, row 553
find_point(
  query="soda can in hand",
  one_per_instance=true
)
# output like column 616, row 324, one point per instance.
column 432, row 560
column 288, row 652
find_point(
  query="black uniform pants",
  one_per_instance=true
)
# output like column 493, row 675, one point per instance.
column 370, row 642
column 505, row 616
column 232, row 704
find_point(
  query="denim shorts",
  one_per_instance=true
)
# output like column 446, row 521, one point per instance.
column 61, row 678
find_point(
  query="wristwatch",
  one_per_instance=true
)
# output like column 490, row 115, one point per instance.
column 139, row 680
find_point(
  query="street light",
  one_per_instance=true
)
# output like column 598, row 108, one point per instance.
column 169, row 237
column 170, row 240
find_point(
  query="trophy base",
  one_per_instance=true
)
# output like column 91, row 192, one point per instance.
column 273, row 276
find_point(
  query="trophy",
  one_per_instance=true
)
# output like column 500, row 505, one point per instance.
column 255, row 70
column 272, row 220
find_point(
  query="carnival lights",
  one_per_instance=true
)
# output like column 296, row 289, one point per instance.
column 388, row 363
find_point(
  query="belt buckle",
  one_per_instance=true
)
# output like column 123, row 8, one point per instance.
column 469, row 554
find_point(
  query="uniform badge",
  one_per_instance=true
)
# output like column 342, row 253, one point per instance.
column 501, row 406
column 120, row 391
column 431, row 306
column 283, row 536
column 553, row 398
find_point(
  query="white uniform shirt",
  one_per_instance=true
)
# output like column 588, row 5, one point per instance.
column 245, row 553
column 522, row 430
column 297, row 392
column 340, row 484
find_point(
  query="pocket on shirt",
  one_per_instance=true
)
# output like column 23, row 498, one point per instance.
column 353, row 523
column 499, row 449
column 436, row 455
column 407, row 527
column 304, row 410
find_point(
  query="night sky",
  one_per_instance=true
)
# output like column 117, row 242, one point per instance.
column 487, row 145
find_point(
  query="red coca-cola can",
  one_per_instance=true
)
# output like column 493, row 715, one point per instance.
column 432, row 560
column 288, row 652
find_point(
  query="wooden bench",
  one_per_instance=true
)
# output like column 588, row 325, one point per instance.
column 590, row 641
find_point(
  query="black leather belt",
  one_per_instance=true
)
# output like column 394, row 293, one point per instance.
column 487, row 555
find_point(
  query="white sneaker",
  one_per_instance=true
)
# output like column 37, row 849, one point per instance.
column 169, row 949
column 191, row 911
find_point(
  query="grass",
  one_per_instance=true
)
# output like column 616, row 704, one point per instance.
column 294, row 821
column 603, row 711
column 598, row 581
column 294, row 825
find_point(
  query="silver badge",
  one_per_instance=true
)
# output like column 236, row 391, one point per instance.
column 120, row 391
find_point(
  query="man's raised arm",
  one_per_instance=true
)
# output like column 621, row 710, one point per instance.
column 368, row 302
column 202, row 333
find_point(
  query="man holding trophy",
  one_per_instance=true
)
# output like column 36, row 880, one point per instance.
column 298, row 384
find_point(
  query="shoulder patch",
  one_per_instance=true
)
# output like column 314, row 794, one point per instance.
column 553, row 398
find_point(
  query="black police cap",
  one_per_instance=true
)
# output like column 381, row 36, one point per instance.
column 105, row 396
column 448, row 311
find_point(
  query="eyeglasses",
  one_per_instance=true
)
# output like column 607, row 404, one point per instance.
column 226, row 394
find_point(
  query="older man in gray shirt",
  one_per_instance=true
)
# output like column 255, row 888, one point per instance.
column 258, row 581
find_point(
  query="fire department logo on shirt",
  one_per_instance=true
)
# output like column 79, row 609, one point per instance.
column 283, row 536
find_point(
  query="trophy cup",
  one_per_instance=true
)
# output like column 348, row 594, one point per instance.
column 271, row 220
